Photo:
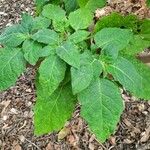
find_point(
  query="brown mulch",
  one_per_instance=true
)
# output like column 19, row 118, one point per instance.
column 16, row 109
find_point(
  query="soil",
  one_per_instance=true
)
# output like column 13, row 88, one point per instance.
column 16, row 105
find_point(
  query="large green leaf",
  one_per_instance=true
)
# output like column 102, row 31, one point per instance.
column 80, row 19
column 112, row 40
column 144, row 72
column 125, row 72
column 46, row 36
column 81, row 78
column 101, row 107
column 54, row 12
column 52, row 113
column 51, row 73
column 31, row 51
column 79, row 36
column 13, row 36
column 12, row 64
column 69, row 53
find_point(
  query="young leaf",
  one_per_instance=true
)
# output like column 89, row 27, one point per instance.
column 79, row 36
column 97, row 102
column 40, row 23
column 61, row 26
column 52, row 113
column 80, row 19
column 112, row 40
column 46, row 36
column 13, row 36
column 81, row 78
column 69, row 53
column 51, row 73
column 12, row 64
column 31, row 51
column 54, row 12
column 125, row 72
column 27, row 22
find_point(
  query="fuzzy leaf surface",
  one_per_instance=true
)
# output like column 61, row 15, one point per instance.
column 81, row 78
column 79, row 36
column 52, row 113
column 51, row 73
column 112, row 40
column 97, row 102
column 125, row 72
column 13, row 36
column 46, row 36
column 69, row 53
column 40, row 23
column 12, row 64
column 54, row 12
column 31, row 51
column 80, row 19
column 144, row 72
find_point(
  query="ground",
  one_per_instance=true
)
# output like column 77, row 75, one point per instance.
column 16, row 105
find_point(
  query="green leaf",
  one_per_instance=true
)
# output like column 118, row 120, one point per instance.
column 112, row 20
column 112, row 40
column 52, row 113
column 12, row 64
column 61, row 26
column 46, row 36
column 82, row 3
column 97, row 102
column 69, row 53
column 27, row 22
column 136, row 45
column 80, row 19
column 31, row 51
column 87, row 58
column 13, row 36
column 92, row 5
column 118, row 21
column 70, row 5
column 79, row 36
column 81, row 78
column 144, row 72
column 145, row 26
column 51, row 73
column 39, row 5
column 125, row 72
column 54, row 12
column 48, row 50
column 148, row 3
column 40, row 23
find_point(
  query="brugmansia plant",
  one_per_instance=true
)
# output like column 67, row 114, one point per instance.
column 76, row 65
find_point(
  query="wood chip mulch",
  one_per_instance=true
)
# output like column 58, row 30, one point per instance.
column 16, row 108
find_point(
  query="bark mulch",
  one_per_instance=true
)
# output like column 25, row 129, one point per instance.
column 16, row 105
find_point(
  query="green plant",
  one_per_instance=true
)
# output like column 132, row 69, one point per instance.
column 75, row 64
